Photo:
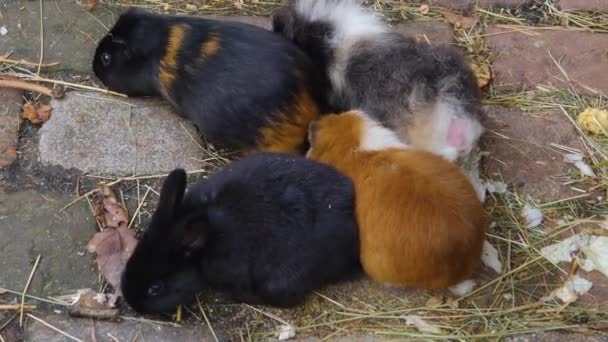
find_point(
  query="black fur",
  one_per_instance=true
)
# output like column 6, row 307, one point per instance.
column 231, row 94
column 268, row 229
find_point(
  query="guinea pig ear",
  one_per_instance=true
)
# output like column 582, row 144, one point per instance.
column 172, row 192
column 191, row 234
column 280, row 19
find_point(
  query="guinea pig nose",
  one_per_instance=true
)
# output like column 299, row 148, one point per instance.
column 155, row 289
column 106, row 58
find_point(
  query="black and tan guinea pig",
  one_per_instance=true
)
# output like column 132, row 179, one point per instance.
column 268, row 229
column 420, row 221
column 244, row 87
column 427, row 94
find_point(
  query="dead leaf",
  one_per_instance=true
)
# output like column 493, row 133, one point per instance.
column 88, row 5
column 108, row 211
column 459, row 21
column 8, row 154
column 452, row 303
column 115, row 244
column 90, row 304
column 434, row 302
column 424, row 9
column 483, row 73
column 36, row 114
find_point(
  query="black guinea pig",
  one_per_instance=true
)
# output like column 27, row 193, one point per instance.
column 268, row 229
column 244, row 87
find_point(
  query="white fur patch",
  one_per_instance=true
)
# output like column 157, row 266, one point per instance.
column 377, row 137
column 348, row 18
column 443, row 114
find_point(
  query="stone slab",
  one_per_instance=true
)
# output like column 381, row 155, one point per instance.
column 70, row 33
column 126, row 330
column 520, row 150
column 584, row 5
column 437, row 32
column 10, row 107
column 32, row 224
column 467, row 5
column 115, row 136
column 525, row 60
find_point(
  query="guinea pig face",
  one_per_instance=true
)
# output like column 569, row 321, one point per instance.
column 157, row 281
column 163, row 270
column 125, row 58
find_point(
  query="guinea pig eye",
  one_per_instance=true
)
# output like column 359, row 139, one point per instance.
column 106, row 58
column 155, row 289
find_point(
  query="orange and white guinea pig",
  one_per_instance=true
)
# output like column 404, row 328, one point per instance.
column 421, row 223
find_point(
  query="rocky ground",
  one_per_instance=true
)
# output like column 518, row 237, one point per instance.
column 548, row 62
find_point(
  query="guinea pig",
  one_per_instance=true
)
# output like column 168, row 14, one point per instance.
column 427, row 94
column 267, row 229
column 244, row 87
column 420, row 221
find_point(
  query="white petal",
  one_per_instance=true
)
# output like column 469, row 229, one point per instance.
column 489, row 257
column 533, row 216
column 286, row 332
column 463, row 288
column 422, row 325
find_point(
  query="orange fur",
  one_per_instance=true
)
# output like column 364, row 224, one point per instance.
column 211, row 46
column 421, row 223
column 288, row 133
column 168, row 64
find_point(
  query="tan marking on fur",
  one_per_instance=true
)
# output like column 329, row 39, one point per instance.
column 420, row 221
column 419, row 130
column 289, row 133
column 211, row 46
column 169, row 64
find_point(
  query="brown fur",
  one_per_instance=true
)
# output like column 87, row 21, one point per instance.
column 168, row 64
column 210, row 47
column 421, row 223
column 288, row 133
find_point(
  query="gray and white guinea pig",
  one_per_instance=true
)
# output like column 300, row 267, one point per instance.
column 268, row 229
column 427, row 94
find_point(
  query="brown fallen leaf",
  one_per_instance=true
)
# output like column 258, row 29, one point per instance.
column 115, row 243
column 8, row 154
column 90, row 304
column 36, row 114
column 459, row 21
column 483, row 72
column 424, row 9
column 88, row 5
column 108, row 211
column 435, row 301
